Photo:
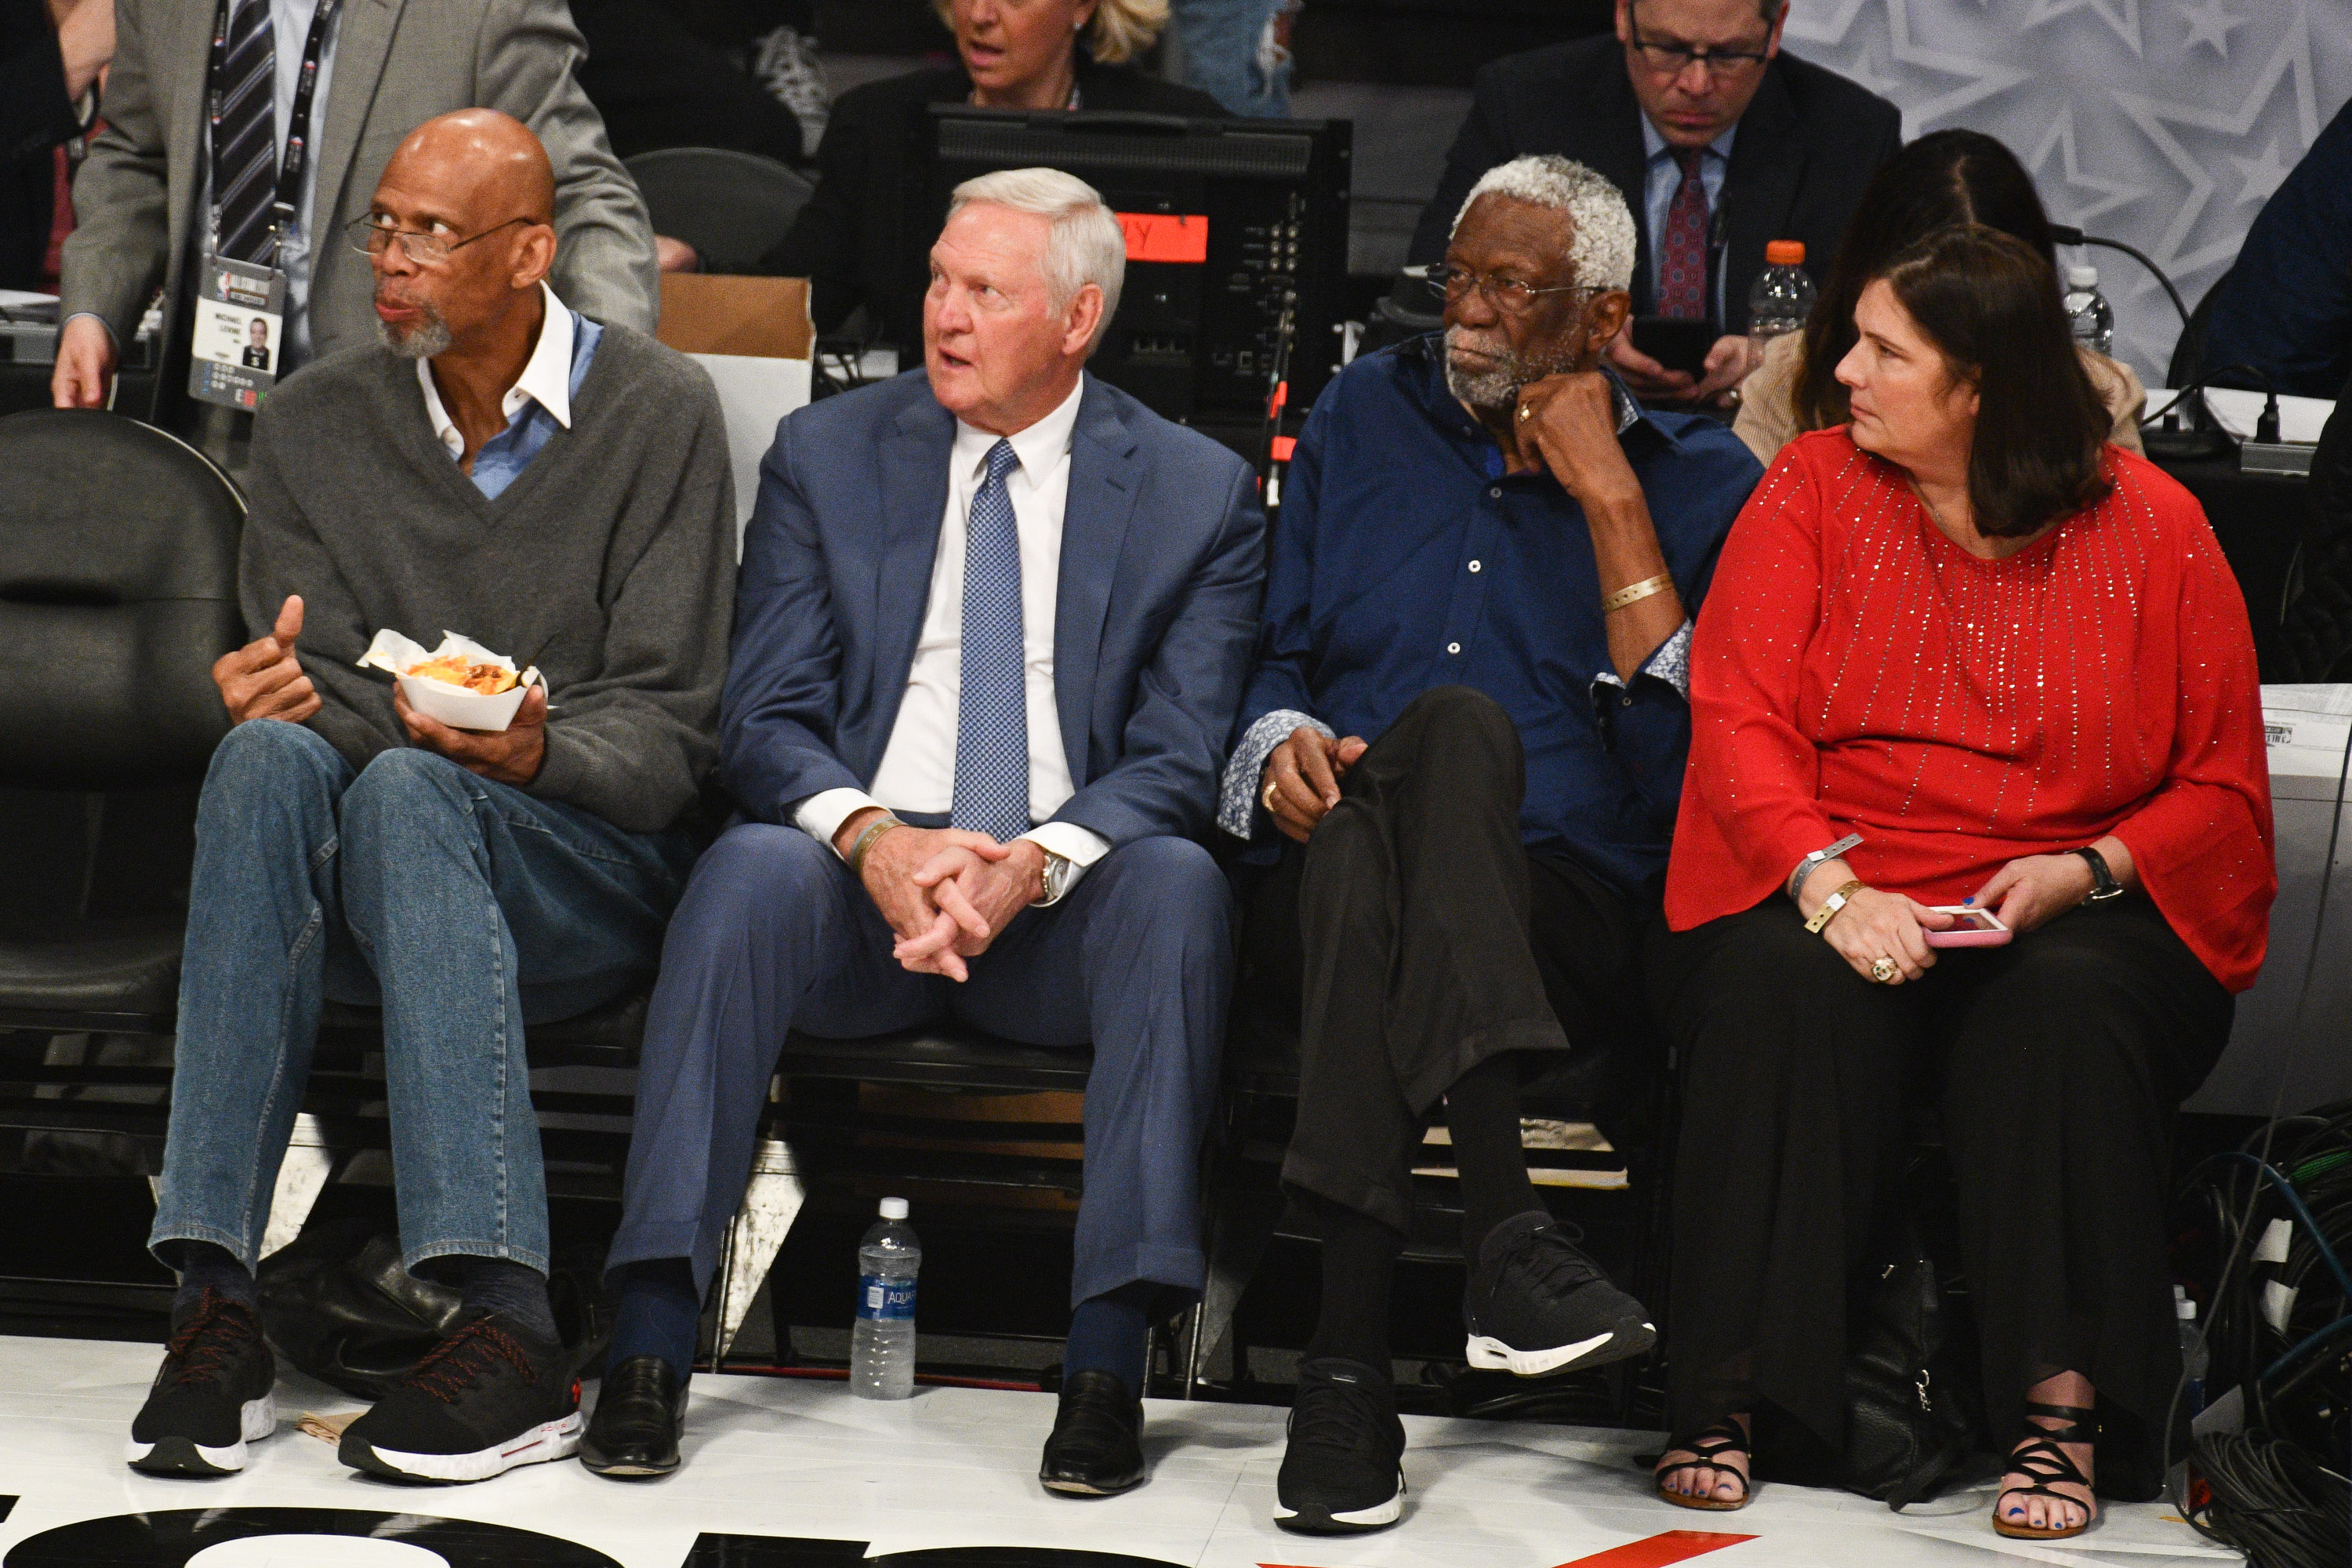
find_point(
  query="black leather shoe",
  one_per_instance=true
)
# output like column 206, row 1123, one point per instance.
column 639, row 1413
column 1097, row 1448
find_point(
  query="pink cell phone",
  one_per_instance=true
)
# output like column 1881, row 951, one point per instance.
column 1977, row 928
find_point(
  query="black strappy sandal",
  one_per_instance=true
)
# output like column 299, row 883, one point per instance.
column 1710, row 1443
column 2047, row 1462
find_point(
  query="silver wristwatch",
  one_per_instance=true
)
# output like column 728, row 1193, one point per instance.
column 1059, row 873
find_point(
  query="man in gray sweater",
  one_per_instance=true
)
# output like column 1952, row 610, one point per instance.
column 557, row 490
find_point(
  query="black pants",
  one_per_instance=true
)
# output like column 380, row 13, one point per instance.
column 1414, row 937
column 2058, row 1062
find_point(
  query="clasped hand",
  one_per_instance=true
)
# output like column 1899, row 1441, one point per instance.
column 947, row 893
column 1301, row 779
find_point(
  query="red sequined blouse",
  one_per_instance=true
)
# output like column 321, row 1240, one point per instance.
column 1856, row 671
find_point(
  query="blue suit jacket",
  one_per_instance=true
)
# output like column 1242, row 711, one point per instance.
column 1162, row 568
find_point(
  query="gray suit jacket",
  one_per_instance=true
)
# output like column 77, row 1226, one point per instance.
column 398, row 63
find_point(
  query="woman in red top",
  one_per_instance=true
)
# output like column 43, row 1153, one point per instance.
column 1956, row 651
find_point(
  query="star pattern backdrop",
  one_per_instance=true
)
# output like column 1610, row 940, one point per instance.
column 2163, row 124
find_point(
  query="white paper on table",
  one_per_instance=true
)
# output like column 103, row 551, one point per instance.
column 451, row 705
column 2300, row 418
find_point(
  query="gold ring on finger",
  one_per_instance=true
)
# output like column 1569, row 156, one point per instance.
column 1527, row 412
column 1884, row 971
column 1273, row 787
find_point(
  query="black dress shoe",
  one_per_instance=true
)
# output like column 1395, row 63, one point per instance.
column 639, row 1413
column 1097, row 1448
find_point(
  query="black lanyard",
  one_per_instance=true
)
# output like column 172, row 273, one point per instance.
column 298, row 126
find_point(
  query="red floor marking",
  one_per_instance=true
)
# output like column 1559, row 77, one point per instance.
column 1655, row 1551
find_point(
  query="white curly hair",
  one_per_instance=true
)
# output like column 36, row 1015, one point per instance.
column 1601, row 253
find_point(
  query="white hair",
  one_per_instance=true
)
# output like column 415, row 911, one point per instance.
column 1087, row 244
column 1601, row 253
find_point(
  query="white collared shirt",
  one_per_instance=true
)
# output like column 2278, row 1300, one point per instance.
column 918, row 768
column 546, row 377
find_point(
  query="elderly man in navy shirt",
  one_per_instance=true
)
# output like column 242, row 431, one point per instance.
column 1468, row 715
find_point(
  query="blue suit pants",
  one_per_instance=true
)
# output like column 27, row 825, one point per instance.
column 774, row 934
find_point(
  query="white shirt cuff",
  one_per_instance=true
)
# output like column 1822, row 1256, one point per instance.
column 1081, row 846
column 820, row 815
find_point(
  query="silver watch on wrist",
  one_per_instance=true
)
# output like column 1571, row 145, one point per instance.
column 1059, row 873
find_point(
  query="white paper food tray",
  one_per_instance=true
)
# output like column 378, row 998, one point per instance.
column 451, row 705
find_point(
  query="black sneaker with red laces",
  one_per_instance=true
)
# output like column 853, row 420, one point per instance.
column 211, row 1397
column 490, row 1396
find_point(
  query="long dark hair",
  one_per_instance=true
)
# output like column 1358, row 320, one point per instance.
column 1941, row 181
column 1991, row 304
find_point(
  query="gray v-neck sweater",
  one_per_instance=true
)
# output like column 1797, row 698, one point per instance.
column 609, row 563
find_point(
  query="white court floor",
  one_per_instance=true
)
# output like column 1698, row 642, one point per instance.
column 787, row 1461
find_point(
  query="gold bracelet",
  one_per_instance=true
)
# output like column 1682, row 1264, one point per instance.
column 1831, row 905
column 1636, row 593
column 857, row 851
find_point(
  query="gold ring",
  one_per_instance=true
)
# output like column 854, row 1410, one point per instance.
column 1271, row 787
column 1527, row 412
column 1884, row 971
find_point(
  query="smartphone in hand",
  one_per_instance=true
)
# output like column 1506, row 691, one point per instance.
column 1974, row 927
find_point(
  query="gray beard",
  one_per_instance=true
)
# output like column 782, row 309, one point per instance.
column 1496, row 383
column 429, row 338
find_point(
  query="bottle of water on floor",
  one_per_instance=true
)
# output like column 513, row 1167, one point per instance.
column 1783, row 296
column 882, row 1344
column 2087, row 310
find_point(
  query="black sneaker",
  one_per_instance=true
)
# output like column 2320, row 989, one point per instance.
column 1536, row 1304
column 212, row 1395
column 1340, row 1473
column 486, row 1399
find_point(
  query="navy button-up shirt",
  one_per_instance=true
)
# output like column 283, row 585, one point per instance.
column 1406, row 559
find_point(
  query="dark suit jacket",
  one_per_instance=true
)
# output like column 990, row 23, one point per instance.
column 1808, row 144
column 35, row 116
column 1163, row 567
column 851, row 240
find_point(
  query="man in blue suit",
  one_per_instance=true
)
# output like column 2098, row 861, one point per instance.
column 991, row 635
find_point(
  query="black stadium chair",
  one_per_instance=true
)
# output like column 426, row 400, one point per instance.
column 117, row 590
column 732, row 207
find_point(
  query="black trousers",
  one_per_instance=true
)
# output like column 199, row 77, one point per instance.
column 1414, row 937
column 2058, row 1062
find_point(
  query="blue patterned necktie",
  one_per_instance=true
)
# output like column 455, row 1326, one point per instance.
column 244, row 134
column 992, row 765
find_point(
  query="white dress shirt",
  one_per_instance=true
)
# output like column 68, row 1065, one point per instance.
column 917, row 769
column 546, row 378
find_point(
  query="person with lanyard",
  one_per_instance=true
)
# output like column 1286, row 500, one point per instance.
column 239, row 133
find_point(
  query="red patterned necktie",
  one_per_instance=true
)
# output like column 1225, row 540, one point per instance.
column 1682, row 250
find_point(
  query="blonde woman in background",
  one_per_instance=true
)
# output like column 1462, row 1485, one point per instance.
column 1943, row 181
column 850, row 240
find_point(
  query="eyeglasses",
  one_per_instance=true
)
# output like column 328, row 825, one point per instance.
column 1512, row 296
column 373, row 234
column 1673, row 60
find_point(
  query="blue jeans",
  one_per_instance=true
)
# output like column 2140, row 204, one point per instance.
column 465, row 908
column 1221, row 42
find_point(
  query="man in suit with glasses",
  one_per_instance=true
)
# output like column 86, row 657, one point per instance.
column 1719, row 142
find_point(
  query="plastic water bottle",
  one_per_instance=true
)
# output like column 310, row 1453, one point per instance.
column 1783, row 295
column 2087, row 310
column 882, row 1344
column 2194, row 1357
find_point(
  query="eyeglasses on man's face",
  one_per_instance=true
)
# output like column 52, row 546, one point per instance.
column 1672, row 59
column 377, row 233
column 1510, row 295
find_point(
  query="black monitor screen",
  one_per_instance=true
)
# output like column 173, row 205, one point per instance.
column 1236, row 230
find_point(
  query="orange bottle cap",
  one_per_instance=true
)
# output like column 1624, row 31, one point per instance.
column 1785, row 253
